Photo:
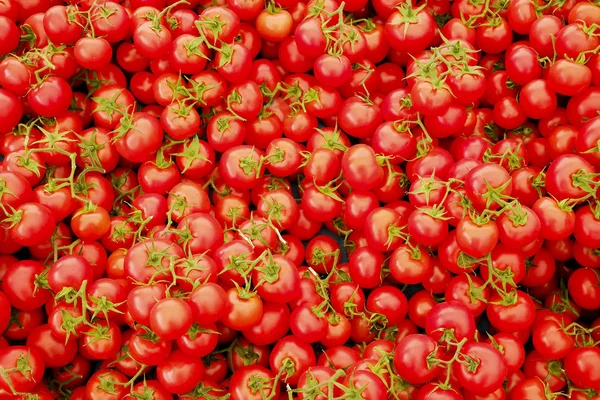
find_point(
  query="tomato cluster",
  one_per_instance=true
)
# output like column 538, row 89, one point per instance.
column 300, row 199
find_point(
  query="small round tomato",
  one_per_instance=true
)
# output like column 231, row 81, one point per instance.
column 242, row 383
column 485, row 369
column 245, row 309
column 24, row 368
column 51, row 97
column 170, row 318
column 33, row 224
column 514, row 313
column 579, row 367
column 20, row 285
column 410, row 359
column 451, row 316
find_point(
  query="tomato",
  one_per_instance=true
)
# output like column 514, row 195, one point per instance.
column 90, row 223
column 332, row 70
column 563, row 175
column 449, row 122
column 15, row 189
column 277, row 279
column 530, row 388
column 245, row 10
column 511, row 349
column 521, row 64
column 295, row 354
column 51, row 97
column 179, row 373
column 360, row 167
column 226, row 20
column 141, row 299
column 242, row 383
column 376, row 45
column 537, row 99
column 149, row 388
column 138, row 136
column 426, row 228
column 319, row 206
column 409, row 31
column 551, row 341
column 322, row 167
column 147, row 349
column 245, row 309
column 339, row 357
column 347, row 297
column 279, row 207
column 365, row 267
column 23, row 322
column 586, row 225
column 452, row 317
column 170, row 318
column 583, row 288
column 74, row 374
column 234, row 63
column 468, row 290
column 568, row 78
column 5, row 312
column 33, row 224
column 106, row 384
column 429, row 99
column 410, row 359
column 152, row 40
column 317, row 375
column 549, row 371
column 93, row 53
column 486, row 184
column 436, row 163
column 131, row 60
column 186, row 198
column 540, row 32
column 366, row 384
column 12, row 110
column 310, row 38
column 274, row 26
column 149, row 260
column 26, row 367
column 271, row 327
column 188, row 55
column 307, row 325
column 70, row 272
column 540, row 269
column 19, row 285
column 431, row 391
column 518, row 227
column 198, row 224
column 494, row 38
column 489, row 372
column 499, row 86
column 101, row 341
column 241, row 166
column 409, row 264
column 475, row 238
column 579, row 367
column 55, row 352
column 16, row 77
column 509, row 114
column 512, row 314
column 339, row 330
column 571, row 40
column 359, row 118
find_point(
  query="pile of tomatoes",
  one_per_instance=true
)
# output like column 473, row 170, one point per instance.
column 290, row 199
